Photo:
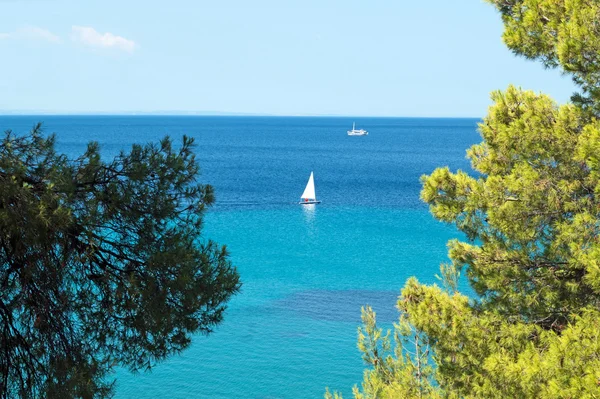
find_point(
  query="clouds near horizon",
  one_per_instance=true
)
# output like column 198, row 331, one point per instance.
column 89, row 36
column 85, row 35
column 31, row 33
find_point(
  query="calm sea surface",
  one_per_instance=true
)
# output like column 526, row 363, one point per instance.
column 306, row 271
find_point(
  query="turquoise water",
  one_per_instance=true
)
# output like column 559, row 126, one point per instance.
column 306, row 271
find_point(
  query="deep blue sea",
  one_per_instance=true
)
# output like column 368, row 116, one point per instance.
column 306, row 271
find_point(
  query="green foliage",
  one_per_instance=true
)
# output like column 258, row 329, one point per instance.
column 102, row 263
column 560, row 33
column 532, row 221
column 402, row 372
column 482, row 354
column 533, row 213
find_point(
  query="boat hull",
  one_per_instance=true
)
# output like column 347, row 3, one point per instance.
column 309, row 202
column 350, row 133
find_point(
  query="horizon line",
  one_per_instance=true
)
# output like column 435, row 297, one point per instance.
column 215, row 113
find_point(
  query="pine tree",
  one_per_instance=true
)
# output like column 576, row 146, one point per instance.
column 531, row 218
column 102, row 263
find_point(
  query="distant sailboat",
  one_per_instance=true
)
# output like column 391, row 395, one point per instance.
column 309, row 196
column 359, row 132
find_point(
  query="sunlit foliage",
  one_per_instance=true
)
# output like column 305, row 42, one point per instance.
column 532, row 250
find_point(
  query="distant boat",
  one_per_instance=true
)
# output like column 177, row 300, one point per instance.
column 354, row 132
column 309, row 196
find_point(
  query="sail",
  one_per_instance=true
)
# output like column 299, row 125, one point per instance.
column 309, row 191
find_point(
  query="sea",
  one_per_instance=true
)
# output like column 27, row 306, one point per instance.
column 306, row 270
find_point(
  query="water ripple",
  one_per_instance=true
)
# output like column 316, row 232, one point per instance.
column 341, row 305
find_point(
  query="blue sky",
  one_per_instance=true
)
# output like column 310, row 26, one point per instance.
column 309, row 57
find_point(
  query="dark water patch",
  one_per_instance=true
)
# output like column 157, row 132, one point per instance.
column 341, row 305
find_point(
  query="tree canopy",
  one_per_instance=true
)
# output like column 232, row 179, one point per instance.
column 559, row 33
column 102, row 263
column 532, row 253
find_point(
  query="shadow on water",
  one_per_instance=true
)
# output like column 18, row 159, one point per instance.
column 341, row 305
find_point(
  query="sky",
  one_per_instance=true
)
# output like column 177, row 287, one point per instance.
column 433, row 58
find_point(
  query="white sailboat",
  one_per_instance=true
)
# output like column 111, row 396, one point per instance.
column 309, row 196
column 359, row 132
